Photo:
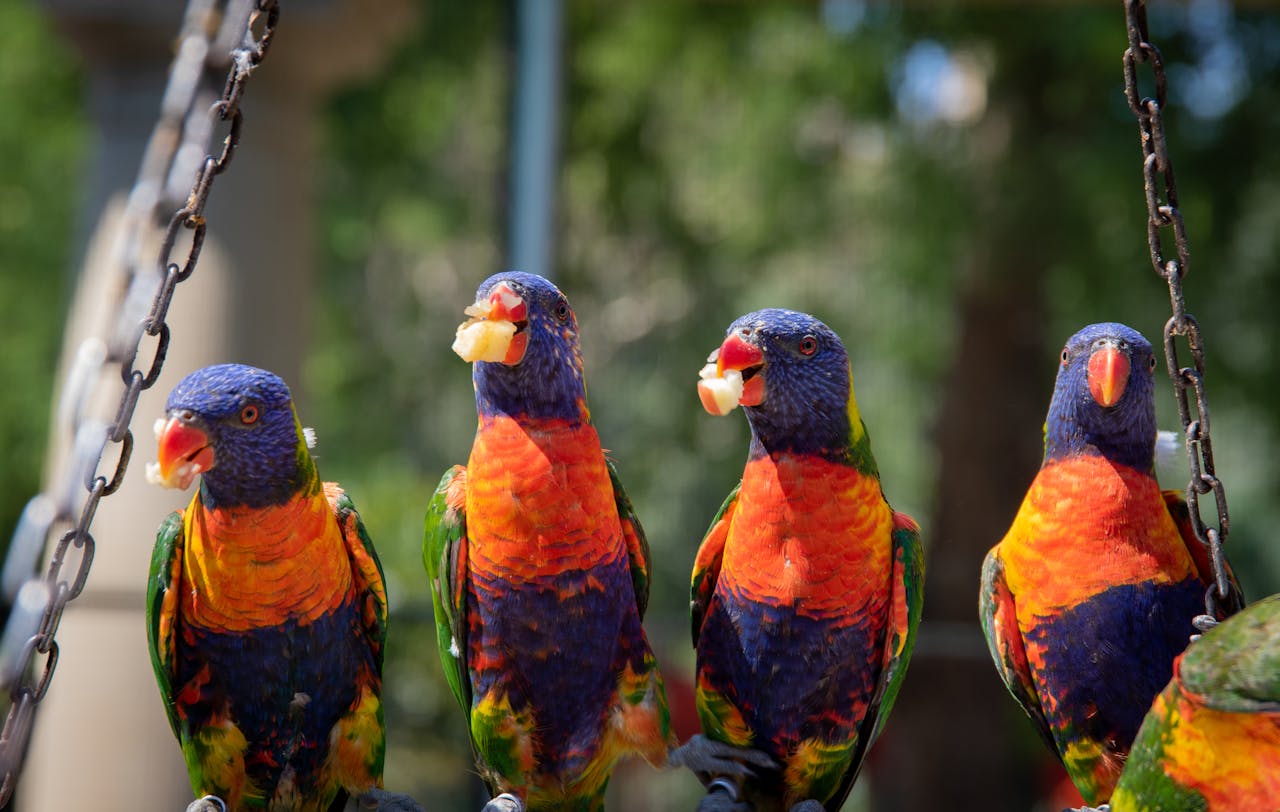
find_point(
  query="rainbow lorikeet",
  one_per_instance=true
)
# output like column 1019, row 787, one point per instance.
column 266, row 607
column 1211, row 741
column 539, row 569
column 1090, row 595
column 807, row 588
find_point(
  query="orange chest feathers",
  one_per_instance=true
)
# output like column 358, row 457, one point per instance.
column 1087, row 525
column 809, row 533
column 539, row 499
column 248, row 568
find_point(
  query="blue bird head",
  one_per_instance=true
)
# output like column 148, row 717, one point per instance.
column 523, row 340
column 1103, row 399
column 797, row 386
column 235, row 427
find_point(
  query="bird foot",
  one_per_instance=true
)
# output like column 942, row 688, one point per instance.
column 808, row 806
column 708, row 758
column 506, row 802
column 722, row 796
column 380, row 800
column 209, row 803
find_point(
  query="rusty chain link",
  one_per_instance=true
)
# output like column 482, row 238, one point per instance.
column 214, row 33
column 1221, row 598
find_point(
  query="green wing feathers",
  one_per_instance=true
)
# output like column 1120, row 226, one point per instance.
column 906, row 601
column 907, row 604
column 637, row 544
column 444, row 554
column 1004, row 641
column 162, row 609
column 366, row 569
column 1235, row 668
column 706, row 567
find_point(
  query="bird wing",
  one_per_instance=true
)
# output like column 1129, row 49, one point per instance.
column 906, row 605
column 162, row 610
column 706, row 566
column 1236, row 667
column 366, row 570
column 906, row 601
column 1181, row 514
column 444, row 553
column 1004, row 640
column 358, row 739
column 637, row 544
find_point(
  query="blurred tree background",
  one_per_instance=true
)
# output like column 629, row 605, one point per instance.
column 954, row 188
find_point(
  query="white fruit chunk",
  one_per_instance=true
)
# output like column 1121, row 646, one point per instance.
column 479, row 339
column 719, row 394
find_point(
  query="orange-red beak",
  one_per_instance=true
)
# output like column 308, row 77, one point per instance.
column 506, row 305
column 184, row 453
column 495, row 333
column 1108, row 375
column 735, row 353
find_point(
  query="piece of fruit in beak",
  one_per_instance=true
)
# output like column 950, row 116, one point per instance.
column 1108, row 375
column 184, row 454
column 719, row 390
column 494, row 331
column 745, row 359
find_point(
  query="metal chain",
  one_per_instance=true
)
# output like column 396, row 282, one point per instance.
column 1221, row 598
column 183, row 129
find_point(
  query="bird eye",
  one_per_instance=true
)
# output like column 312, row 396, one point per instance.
column 249, row 415
column 808, row 345
column 1151, row 363
column 562, row 310
column 1064, row 355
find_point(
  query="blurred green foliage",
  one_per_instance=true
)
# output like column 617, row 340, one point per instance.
column 42, row 139
column 717, row 158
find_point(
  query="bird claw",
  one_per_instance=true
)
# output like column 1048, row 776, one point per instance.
column 708, row 758
column 506, row 802
column 380, row 800
column 209, row 803
column 722, row 796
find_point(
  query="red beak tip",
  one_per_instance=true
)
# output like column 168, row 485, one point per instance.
column 505, row 303
column 736, row 353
